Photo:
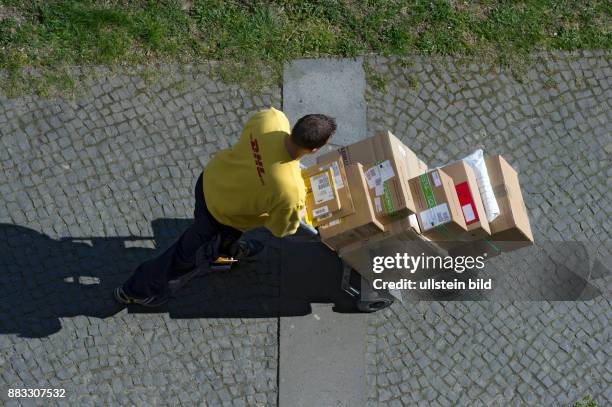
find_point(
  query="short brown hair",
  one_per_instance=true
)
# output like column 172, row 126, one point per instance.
column 313, row 130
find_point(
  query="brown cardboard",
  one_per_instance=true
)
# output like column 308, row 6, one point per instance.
column 322, row 210
column 512, row 224
column 399, row 237
column 449, row 224
column 511, row 229
column 405, row 229
column 460, row 172
column 359, row 225
column 394, row 200
column 342, row 189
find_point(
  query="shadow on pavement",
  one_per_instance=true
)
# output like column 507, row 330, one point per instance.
column 44, row 279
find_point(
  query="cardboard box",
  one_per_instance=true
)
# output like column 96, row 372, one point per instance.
column 321, row 194
column 406, row 229
column 359, row 225
column 345, row 207
column 438, row 211
column 401, row 236
column 389, row 165
column 511, row 229
column 469, row 198
column 513, row 222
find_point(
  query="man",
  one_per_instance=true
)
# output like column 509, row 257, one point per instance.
column 255, row 183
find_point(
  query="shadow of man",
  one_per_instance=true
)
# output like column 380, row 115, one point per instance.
column 44, row 279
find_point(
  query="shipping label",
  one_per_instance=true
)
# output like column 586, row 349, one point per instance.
column 330, row 224
column 379, row 190
column 386, row 170
column 322, row 188
column 378, row 204
column 432, row 217
column 319, row 212
column 436, row 178
column 336, row 173
column 323, row 217
column 335, row 222
column 373, row 177
column 377, row 175
column 468, row 214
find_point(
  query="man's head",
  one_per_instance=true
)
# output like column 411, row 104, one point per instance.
column 312, row 132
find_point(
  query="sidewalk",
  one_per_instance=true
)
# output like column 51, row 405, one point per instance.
column 122, row 160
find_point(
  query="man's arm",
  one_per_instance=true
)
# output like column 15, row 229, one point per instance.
column 283, row 221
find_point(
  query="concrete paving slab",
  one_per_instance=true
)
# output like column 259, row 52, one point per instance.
column 322, row 359
column 334, row 87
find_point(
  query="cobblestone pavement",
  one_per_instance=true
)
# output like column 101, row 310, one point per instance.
column 83, row 180
column 554, row 127
column 120, row 160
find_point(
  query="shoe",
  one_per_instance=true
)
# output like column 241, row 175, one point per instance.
column 245, row 248
column 155, row 301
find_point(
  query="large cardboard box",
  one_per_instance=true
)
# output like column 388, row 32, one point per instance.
column 469, row 198
column 359, row 225
column 511, row 229
column 321, row 211
column 389, row 165
column 437, row 207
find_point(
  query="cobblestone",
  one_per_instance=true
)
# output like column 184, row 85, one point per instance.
column 103, row 166
column 125, row 154
column 511, row 353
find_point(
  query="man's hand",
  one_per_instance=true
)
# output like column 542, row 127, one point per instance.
column 308, row 228
column 245, row 248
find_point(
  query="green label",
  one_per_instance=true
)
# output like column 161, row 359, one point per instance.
column 387, row 200
column 431, row 200
column 427, row 192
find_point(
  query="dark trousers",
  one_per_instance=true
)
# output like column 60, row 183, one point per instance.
column 151, row 277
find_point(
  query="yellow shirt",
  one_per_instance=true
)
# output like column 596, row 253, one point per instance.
column 256, row 182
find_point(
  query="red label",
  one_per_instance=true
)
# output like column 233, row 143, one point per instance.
column 466, row 201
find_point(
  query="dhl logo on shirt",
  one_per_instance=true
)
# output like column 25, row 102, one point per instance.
column 257, row 156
